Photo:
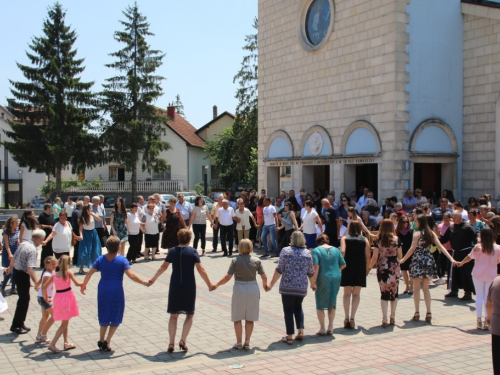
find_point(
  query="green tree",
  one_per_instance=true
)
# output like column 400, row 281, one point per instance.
column 54, row 109
column 179, row 107
column 133, row 126
column 235, row 149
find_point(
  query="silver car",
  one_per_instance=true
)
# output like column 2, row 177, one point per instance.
column 208, row 201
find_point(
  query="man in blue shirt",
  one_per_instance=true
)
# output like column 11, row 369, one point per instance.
column 409, row 202
column 438, row 212
column 184, row 207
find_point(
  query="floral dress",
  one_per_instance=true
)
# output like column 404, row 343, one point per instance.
column 120, row 226
column 423, row 264
column 388, row 271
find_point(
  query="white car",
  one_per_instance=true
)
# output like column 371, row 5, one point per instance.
column 185, row 193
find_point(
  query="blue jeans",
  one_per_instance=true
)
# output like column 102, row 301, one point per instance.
column 6, row 279
column 269, row 229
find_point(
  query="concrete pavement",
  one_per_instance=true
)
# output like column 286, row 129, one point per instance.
column 451, row 345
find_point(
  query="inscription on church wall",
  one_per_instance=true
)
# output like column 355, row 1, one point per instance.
column 322, row 162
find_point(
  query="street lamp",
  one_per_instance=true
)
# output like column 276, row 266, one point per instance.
column 20, row 173
column 205, row 183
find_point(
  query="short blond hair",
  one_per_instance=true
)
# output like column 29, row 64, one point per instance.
column 298, row 240
column 245, row 246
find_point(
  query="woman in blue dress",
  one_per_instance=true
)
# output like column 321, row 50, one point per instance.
column 327, row 262
column 182, row 291
column 117, row 222
column 110, row 294
column 10, row 241
column 89, row 248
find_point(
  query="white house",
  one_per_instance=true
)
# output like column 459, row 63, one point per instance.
column 18, row 177
column 186, row 162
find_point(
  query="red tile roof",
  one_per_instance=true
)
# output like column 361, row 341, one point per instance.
column 184, row 129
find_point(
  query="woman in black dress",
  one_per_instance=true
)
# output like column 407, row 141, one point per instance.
column 357, row 253
column 172, row 222
column 405, row 236
column 182, row 291
column 252, row 207
column 495, row 223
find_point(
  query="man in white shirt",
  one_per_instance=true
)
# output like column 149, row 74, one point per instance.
column 69, row 207
column 224, row 218
column 269, row 228
column 301, row 197
column 141, row 211
column 362, row 200
column 215, row 235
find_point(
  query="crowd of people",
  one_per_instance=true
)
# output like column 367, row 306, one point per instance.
column 321, row 242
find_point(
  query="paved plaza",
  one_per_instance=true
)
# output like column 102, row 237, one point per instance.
column 451, row 345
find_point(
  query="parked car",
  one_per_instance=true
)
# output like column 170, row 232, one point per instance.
column 165, row 198
column 109, row 202
column 214, row 195
column 237, row 188
column 185, row 193
column 37, row 203
column 208, row 201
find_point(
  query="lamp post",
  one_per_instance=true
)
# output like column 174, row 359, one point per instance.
column 6, row 176
column 20, row 173
column 205, row 183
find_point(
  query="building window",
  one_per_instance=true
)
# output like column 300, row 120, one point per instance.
column 286, row 171
column 165, row 175
column 116, row 173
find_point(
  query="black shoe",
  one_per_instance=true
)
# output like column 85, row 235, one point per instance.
column 264, row 255
column 2, row 291
column 230, row 253
column 18, row 330
column 451, row 295
column 224, row 255
column 13, row 291
column 214, row 250
column 26, row 328
column 99, row 345
column 466, row 297
column 274, row 255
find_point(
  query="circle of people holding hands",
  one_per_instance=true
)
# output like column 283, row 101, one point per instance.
column 321, row 243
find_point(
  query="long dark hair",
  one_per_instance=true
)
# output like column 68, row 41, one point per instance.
column 495, row 223
column 487, row 240
column 425, row 231
column 386, row 233
column 197, row 200
column 85, row 216
column 29, row 220
column 122, row 209
column 293, row 201
column 402, row 219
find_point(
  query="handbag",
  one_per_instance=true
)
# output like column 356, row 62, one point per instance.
column 74, row 237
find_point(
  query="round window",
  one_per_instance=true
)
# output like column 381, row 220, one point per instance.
column 318, row 19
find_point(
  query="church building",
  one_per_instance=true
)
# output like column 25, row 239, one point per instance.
column 388, row 94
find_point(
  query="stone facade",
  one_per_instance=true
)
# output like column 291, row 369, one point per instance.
column 481, row 100
column 358, row 77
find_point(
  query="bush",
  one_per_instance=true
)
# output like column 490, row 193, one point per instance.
column 50, row 186
column 200, row 189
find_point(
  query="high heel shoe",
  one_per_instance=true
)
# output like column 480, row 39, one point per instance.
column 428, row 317
column 170, row 348
column 346, row 323
column 392, row 321
column 352, row 324
column 384, row 324
column 182, row 346
column 99, row 345
column 416, row 317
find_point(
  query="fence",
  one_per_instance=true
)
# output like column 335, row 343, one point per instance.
column 120, row 186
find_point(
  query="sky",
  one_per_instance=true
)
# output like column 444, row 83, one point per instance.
column 202, row 40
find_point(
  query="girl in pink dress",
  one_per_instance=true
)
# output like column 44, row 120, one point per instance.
column 64, row 305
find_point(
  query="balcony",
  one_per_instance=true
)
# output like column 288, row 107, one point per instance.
column 162, row 186
column 216, row 184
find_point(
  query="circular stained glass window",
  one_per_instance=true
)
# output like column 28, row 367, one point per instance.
column 318, row 19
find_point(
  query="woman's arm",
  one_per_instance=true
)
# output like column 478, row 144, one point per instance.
column 442, row 248
column 368, row 254
column 467, row 259
column 343, row 246
column 182, row 220
column 224, row 280
column 81, row 231
column 264, row 280
column 399, row 253
column 95, row 216
column 162, row 269
column 414, row 243
column 132, row 276
column 374, row 258
column 7, row 246
column 204, row 276
column 74, row 279
column 209, row 217
column 276, row 277
column 320, row 224
column 294, row 219
column 191, row 218
column 21, row 233
column 314, row 276
column 49, row 237
column 86, row 280
column 111, row 221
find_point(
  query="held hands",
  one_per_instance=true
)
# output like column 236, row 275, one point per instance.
column 212, row 287
column 268, row 287
column 48, row 300
column 147, row 283
column 151, row 282
column 314, row 286
column 83, row 287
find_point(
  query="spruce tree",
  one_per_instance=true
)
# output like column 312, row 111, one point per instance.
column 235, row 150
column 179, row 107
column 54, row 109
column 133, row 126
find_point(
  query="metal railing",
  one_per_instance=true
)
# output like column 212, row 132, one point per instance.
column 119, row 186
column 216, row 184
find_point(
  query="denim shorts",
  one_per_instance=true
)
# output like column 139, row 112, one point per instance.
column 44, row 304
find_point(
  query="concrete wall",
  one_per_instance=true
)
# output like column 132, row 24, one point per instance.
column 481, row 118
column 196, row 162
column 435, row 67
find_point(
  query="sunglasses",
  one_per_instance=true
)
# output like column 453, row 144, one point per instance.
column 151, row 208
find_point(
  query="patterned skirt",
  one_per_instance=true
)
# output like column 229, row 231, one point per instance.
column 423, row 265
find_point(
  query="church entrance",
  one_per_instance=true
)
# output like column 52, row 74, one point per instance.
column 359, row 176
column 427, row 176
column 316, row 177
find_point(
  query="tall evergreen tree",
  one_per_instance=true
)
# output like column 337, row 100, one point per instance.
column 54, row 109
column 179, row 107
column 240, row 163
column 132, row 128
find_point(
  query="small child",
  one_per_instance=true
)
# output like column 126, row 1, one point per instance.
column 47, row 319
column 65, row 306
